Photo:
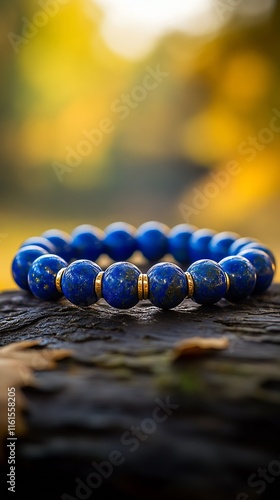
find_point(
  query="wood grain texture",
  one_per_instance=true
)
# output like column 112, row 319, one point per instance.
column 225, row 427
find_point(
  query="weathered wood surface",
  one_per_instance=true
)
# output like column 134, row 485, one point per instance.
column 226, row 426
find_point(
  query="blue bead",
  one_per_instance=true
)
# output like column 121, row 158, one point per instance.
column 41, row 242
column 167, row 285
column 62, row 242
column 210, row 284
column 238, row 245
column 178, row 242
column 120, row 285
column 87, row 242
column 119, row 241
column 42, row 275
column 199, row 244
column 242, row 276
column 78, row 280
column 22, row 263
column 152, row 240
column 260, row 246
column 220, row 244
column 264, row 268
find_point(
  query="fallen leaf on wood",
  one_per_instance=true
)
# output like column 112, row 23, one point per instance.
column 17, row 364
column 198, row 346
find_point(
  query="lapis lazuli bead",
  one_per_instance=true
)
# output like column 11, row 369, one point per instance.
column 264, row 268
column 152, row 240
column 120, row 285
column 220, row 244
column 22, row 263
column 238, row 245
column 260, row 246
column 62, row 242
column 42, row 275
column 87, row 242
column 78, row 280
column 41, row 242
column 242, row 277
column 178, row 242
column 119, row 241
column 167, row 285
column 210, row 284
column 199, row 244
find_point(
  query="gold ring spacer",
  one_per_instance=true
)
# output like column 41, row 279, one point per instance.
column 190, row 283
column 145, row 286
column 140, row 287
column 227, row 281
column 98, row 284
column 58, row 279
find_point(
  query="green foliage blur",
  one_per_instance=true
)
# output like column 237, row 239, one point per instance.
column 89, row 136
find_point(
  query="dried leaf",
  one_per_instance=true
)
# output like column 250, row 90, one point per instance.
column 17, row 363
column 198, row 346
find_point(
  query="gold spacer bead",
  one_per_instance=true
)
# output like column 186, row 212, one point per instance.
column 98, row 284
column 58, row 279
column 145, row 286
column 190, row 283
column 140, row 287
column 227, row 281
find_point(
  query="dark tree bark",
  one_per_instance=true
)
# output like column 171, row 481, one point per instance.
column 222, row 429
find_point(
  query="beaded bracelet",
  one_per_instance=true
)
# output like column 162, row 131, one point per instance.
column 219, row 265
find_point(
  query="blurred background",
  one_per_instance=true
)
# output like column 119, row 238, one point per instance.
column 119, row 110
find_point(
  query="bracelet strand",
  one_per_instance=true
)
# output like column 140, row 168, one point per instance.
column 219, row 265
